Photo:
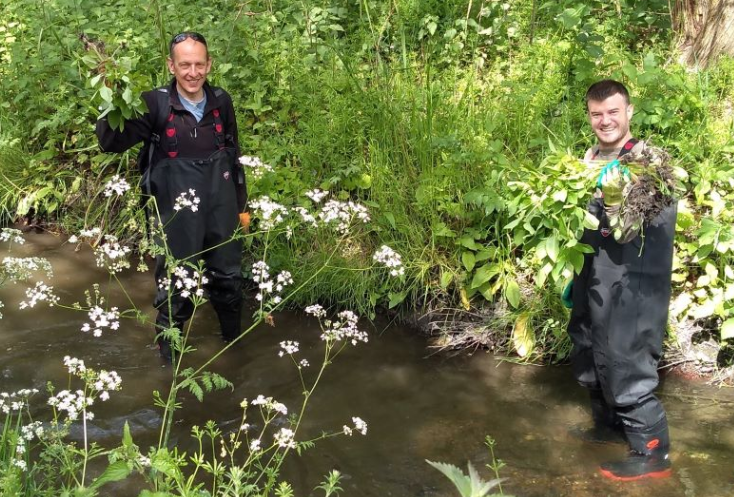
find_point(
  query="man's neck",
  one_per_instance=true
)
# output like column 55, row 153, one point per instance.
column 194, row 98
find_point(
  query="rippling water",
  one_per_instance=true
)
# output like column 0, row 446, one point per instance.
column 419, row 404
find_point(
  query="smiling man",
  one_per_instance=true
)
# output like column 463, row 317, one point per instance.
column 620, row 302
column 190, row 137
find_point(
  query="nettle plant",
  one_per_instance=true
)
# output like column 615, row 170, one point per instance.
column 37, row 454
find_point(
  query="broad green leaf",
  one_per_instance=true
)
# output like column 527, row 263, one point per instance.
column 446, row 278
column 523, row 338
column 590, row 221
column 483, row 275
column 512, row 293
column 551, row 248
column 396, row 298
column 116, row 471
column 727, row 329
column 467, row 258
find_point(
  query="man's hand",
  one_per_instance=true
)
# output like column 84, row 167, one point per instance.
column 245, row 220
column 612, row 180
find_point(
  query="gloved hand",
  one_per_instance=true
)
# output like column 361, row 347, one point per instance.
column 567, row 295
column 245, row 221
column 611, row 181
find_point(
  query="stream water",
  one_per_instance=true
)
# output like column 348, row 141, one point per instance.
column 419, row 404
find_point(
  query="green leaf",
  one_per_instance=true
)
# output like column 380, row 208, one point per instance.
column 396, row 298
column 127, row 438
column 483, row 275
column 727, row 329
column 512, row 293
column 467, row 258
column 551, row 248
column 114, row 472
column 590, row 221
column 105, row 94
column 446, row 278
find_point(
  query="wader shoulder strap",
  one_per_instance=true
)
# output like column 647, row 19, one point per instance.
column 626, row 148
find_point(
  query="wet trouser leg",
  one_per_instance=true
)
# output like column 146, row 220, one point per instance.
column 223, row 259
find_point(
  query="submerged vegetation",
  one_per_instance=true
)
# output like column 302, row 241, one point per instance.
column 458, row 123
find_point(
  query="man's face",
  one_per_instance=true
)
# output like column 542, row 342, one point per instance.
column 190, row 64
column 610, row 120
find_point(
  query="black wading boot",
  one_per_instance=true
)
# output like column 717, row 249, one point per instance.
column 230, row 322
column 607, row 426
column 648, row 456
column 164, row 345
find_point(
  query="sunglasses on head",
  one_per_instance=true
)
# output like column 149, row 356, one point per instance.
column 185, row 36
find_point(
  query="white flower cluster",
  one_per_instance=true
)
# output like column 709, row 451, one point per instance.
column 112, row 255
column 270, row 404
column 390, row 259
column 187, row 200
column 21, row 268
column 27, row 434
column 284, row 438
column 316, row 310
column 258, row 167
column 189, row 281
column 15, row 401
column 317, row 195
column 116, row 186
column 101, row 319
column 343, row 214
column 40, row 293
column 75, row 366
column 344, row 328
column 255, row 445
column 306, row 216
column 270, row 213
column 72, row 403
column 261, row 276
column 106, row 381
column 359, row 425
column 289, row 347
column 89, row 234
column 11, row 235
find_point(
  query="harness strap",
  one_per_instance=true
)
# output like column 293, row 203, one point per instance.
column 626, row 148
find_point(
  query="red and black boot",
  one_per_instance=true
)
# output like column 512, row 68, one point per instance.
column 648, row 456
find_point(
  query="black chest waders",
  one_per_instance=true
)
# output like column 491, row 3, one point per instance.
column 617, row 327
column 205, row 234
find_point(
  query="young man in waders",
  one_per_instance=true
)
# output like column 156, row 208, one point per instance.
column 620, row 306
column 190, row 145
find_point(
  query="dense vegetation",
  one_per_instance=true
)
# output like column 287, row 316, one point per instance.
column 456, row 121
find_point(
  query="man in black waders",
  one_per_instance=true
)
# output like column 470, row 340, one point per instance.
column 620, row 308
column 190, row 137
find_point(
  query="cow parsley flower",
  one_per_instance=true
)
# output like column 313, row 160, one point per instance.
column 187, row 200
column 116, row 186
column 391, row 259
column 40, row 293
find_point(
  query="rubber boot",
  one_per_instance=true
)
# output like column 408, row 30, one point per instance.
column 648, row 456
column 230, row 322
column 607, row 426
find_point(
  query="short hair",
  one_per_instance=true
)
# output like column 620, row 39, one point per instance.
column 185, row 35
column 601, row 90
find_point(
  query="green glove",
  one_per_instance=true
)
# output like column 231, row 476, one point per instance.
column 611, row 181
column 567, row 295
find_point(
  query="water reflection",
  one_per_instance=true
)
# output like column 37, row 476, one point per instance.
column 419, row 405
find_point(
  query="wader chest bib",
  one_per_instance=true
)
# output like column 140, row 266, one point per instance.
column 204, row 234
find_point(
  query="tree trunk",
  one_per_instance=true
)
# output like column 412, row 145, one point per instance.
column 707, row 29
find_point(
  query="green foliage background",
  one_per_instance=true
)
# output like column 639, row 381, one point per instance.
column 456, row 122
